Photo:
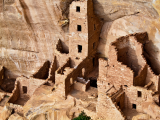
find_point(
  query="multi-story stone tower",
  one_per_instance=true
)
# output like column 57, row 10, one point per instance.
column 84, row 29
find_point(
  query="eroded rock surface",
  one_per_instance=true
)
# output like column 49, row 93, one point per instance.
column 30, row 29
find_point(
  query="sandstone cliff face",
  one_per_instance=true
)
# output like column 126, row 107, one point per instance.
column 30, row 29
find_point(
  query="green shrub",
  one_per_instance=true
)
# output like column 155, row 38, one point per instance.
column 82, row 116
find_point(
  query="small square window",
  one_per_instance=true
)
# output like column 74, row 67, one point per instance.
column 78, row 9
column 79, row 28
column 24, row 89
column 79, row 48
column 139, row 93
column 134, row 106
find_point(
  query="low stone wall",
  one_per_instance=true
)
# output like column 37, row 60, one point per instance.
column 81, row 86
column 31, row 85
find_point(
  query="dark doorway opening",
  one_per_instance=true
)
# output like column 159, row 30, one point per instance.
column 134, row 106
column 79, row 48
column 93, row 83
column 24, row 89
column 79, row 28
column 78, row 9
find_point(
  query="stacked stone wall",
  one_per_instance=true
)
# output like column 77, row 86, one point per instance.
column 31, row 83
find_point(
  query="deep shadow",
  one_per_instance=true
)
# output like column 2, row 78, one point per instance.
column 93, row 83
column 8, row 85
column 43, row 72
column 127, row 55
column 150, row 52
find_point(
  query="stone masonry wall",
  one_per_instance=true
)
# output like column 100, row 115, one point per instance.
column 52, row 70
column 140, row 80
column 78, row 37
column 117, row 73
column 137, row 96
column 15, row 93
column 129, row 52
column 31, row 83
column 65, row 76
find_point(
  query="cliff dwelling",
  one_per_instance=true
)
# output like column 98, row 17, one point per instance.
column 76, row 76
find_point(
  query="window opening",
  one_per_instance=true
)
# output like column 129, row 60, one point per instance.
column 139, row 93
column 134, row 106
column 79, row 48
column 79, row 28
column 78, row 9
column 24, row 89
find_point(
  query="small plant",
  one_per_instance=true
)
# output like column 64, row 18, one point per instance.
column 82, row 116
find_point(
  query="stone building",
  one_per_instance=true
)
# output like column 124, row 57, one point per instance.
column 126, row 84
column 126, row 79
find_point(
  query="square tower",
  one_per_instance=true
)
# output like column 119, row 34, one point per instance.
column 84, row 30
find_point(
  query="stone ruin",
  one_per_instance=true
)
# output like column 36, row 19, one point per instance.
column 119, row 87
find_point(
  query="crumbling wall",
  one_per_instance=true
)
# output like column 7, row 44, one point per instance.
column 52, row 70
column 140, row 80
column 31, row 84
column 43, row 72
column 113, row 72
column 1, row 74
column 60, row 78
column 65, row 75
column 15, row 93
column 17, row 108
column 61, row 54
column 137, row 96
column 151, row 77
column 129, row 52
